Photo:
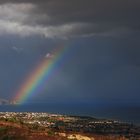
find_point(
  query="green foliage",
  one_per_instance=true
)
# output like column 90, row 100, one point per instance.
column 35, row 126
column 7, row 138
column 51, row 133
column 43, row 118
column 12, row 120
column 3, row 129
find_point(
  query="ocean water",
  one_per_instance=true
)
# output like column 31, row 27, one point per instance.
column 129, row 114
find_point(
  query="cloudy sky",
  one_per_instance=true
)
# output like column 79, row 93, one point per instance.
column 103, row 61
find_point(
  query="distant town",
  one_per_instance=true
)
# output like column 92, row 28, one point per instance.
column 69, row 127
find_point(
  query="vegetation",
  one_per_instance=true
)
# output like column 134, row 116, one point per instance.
column 30, row 126
column 11, row 131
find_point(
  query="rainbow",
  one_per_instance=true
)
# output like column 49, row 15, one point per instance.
column 36, row 80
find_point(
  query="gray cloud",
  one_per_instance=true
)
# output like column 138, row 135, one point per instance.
column 53, row 18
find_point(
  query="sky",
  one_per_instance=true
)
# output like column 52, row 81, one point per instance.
column 102, row 63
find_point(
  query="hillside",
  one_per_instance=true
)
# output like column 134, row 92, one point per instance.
column 17, row 131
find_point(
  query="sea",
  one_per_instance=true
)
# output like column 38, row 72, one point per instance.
column 129, row 114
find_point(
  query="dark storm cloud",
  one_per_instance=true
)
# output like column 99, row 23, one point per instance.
column 80, row 17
